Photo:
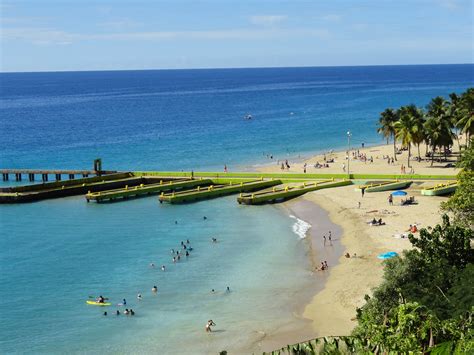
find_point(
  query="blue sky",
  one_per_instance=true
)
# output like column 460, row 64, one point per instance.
column 55, row 35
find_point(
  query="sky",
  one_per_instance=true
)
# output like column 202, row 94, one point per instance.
column 57, row 35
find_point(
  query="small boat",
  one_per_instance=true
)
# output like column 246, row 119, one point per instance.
column 95, row 303
column 440, row 189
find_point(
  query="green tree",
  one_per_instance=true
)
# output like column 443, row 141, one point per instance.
column 405, row 127
column 386, row 128
column 461, row 204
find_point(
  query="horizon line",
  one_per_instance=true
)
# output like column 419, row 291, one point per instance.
column 233, row 68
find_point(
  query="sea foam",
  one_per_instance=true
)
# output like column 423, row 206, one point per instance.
column 300, row 227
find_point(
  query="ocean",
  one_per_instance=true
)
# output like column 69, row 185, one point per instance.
column 56, row 254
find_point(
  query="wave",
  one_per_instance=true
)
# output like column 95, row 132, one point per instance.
column 300, row 227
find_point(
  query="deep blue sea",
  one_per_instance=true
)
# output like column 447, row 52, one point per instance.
column 55, row 254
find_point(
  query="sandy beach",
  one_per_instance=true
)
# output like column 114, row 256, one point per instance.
column 332, row 310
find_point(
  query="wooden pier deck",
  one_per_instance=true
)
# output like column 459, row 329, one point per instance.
column 45, row 173
column 280, row 194
column 213, row 191
column 142, row 189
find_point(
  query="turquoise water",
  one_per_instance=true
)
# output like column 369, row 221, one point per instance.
column 65, row 250
column 55, row 254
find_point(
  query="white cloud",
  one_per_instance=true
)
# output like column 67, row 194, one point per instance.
column 46, row 36
column 267, row 20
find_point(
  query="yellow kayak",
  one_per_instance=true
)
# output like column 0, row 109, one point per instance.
column 95, row 303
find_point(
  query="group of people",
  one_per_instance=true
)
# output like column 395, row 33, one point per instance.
column 390, row 161
column 375, row 222
column 403, row 170
column 285, row 165
column 323, row 266
column 329, row 238
column 362, row 157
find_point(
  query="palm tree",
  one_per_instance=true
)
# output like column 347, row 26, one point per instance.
column 455, row 114
column 405, row 128
column 466, row 114
column 418, row 134
column 386, row 128
column 438, row 108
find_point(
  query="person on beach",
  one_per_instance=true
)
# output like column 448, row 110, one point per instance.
column 154, row 289
column 209, row 324
column 343, row 166
column 330, row 239
column 390, row 200
column 347, row 255
column 362, row 191
column 326, row 264
column 324, row 237
column 225, row 168
column 358, row 205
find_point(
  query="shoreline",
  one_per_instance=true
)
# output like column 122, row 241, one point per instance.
column 332, row 308
column 301, row 327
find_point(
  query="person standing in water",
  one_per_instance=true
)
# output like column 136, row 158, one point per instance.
column 209, row 324
column 154, row 289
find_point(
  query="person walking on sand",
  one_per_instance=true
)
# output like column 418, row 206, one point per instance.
column 390, row 200
column 324, row 237
column 343, row 166
column 362, row 191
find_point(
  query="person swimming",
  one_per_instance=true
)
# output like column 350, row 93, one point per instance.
column 214, row 240
column 124, row 301
column 154, row 289
column 132, row 312
column 105, row 313
column 118, row 312
column 227, row 289
column 163, row 268
column 126, row 311
column 187, row 241
column 139, row 296
column 187, row 253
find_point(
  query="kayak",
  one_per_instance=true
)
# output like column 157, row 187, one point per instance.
column 95, row 303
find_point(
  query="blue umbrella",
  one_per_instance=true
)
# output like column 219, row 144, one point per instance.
column 388, row 255
column 399, row 193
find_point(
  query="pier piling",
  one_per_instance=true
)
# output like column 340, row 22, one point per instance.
column 31, row 177
column 58, row 177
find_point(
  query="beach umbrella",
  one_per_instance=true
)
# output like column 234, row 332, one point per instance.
column 388, row 255
column 399, row 193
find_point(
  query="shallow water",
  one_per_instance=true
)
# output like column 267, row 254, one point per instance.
column 62, row 251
